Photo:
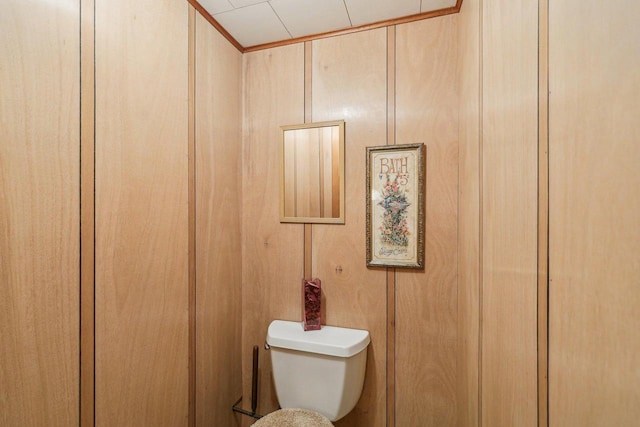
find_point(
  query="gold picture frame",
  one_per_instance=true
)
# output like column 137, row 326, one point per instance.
column 396, row 205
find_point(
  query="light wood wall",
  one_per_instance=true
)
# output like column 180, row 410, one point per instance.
column 141, row 175
column 594, row 316
column 593, row 202
column 39, row 213
column 218, row 198
column 349, row 81
column 469, row 213
column 459, row 338
column 426, row 302
column 499, row 122
column 351, row 77
column 509, row 212
column 145, row 129
column 272, row 253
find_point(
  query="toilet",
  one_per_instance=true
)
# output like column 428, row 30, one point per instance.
column 321, row 371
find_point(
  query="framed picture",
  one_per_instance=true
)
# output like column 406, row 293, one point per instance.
column 395, row 205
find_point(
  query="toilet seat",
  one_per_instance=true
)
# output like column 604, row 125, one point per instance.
column 293, row 418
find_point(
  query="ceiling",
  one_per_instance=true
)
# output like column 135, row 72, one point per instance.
column 258, row 22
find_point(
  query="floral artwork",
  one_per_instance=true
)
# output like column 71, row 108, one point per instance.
column 395, row 206
column 394, row 229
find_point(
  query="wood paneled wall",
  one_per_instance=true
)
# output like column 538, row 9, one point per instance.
column 509, row 72
column 469, row 213
column 272, row 253
column 458, row 338
column 39, row 213
column 594, row 140
column 349, row 81
column 55, row 90
column 218, row 199
column 354, row 77
column 426, row 302
column 141, row 213
column 499, row 75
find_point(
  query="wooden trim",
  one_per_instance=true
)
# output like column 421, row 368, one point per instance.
column 308, row 248
column 192, row 219
column 391, row 85
column 87, row 213
column 308, row 88
column 308, row 118
column 543, row 213
column 206, row 15
column 391, row 347
column 469, row 209
column 480, row 206
column 365, row 27
column 391, row 272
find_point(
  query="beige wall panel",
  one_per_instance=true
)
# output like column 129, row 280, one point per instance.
column 509, row 358
column 218, row 226
column 349, row 82
column 469, row 214
column 39, row 213
column 141, row 213
column 272, row 255
column 594, row 316
column 426, row 301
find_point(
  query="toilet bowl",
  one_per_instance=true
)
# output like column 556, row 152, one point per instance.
column 321, row 371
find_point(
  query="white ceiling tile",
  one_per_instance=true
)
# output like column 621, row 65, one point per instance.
column 242, row 3
column 253, row 25
column 369, row 11
column 305, row 17
column 431, row 5
column 215, row 6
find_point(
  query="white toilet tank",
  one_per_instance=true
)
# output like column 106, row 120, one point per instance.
column 318, row 370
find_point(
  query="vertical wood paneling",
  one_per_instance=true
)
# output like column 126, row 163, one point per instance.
column 39, row 213
column 308, row 79
column 191, row 197
column 469, row 214
column 87, row 211
column 426, row 319
column 218, row 226
column 272, row 253
column 510, row 149
column 308, row 111
column 349, row 82
column 141, row 213
column 594, row 140
column 543, row 213
column 391, row 272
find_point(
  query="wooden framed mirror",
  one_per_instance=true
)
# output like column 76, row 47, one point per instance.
column 312, row 173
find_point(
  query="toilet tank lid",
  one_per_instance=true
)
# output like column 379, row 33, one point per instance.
column 330, row 340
